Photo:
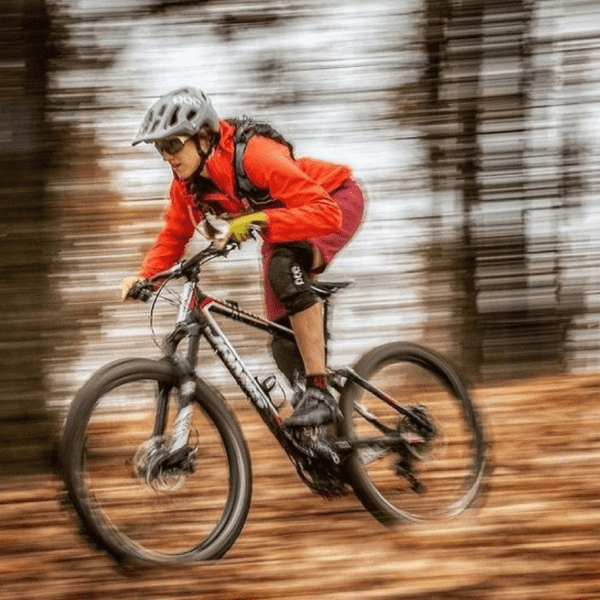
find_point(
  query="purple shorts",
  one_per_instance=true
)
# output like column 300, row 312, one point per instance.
column 351, row 201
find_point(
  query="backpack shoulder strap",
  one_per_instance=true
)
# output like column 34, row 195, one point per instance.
column 246, row 128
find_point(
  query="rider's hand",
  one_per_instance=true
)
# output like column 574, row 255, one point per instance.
column 131, row 288
column 240, row 229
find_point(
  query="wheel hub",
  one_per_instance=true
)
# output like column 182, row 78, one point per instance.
column 159, row 468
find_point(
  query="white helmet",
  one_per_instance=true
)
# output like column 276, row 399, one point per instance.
column 181, row 112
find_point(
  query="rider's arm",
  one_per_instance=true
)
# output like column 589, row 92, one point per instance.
column 308, row 210
column 177, row 230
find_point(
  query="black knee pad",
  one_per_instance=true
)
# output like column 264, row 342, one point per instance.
column 287, row 272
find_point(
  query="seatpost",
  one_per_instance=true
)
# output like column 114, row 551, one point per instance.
column 326, row 335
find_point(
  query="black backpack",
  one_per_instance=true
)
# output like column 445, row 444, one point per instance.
column 245, row 128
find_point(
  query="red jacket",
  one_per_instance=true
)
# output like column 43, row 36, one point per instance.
column 303, row 207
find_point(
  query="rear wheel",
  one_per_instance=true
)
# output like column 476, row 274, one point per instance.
column 128, row 503
column 401, row 471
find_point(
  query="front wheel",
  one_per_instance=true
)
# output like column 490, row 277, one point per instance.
column 129, row 502
column 399, row 470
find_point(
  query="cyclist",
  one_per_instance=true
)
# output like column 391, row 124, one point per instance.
column 313, row 209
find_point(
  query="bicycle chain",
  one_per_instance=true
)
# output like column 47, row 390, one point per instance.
column 317, row 463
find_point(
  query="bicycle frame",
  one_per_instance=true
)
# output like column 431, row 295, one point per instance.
column 196, row 319
column 371, row 449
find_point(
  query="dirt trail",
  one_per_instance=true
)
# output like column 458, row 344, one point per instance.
column 536, row 536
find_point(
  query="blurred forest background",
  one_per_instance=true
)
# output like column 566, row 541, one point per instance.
column 472, row 123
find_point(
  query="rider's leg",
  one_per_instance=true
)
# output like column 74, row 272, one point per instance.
column 287, row 274
column 308, row 329
column 286, row 355
column 317, row 406
column 350, row 199
column 306, row 355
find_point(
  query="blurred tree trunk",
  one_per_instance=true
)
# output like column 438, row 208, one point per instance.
column 454, row 40
column 468, row 63
column 25, row 240
column 477, row 125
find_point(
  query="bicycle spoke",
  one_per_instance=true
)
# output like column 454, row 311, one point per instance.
column 425, row 465
column 139, row 497
column 166, row 513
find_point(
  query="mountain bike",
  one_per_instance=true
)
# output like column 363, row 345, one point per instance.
column 158, row 470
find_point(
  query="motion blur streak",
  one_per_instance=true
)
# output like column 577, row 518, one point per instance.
column 474, row 128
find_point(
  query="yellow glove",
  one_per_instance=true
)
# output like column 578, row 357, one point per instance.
column 239, row 229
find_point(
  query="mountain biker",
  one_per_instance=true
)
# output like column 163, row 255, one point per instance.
column 313, row 209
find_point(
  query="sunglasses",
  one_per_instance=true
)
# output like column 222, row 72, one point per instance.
column 171, row 145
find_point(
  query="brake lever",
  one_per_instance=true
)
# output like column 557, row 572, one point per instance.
column 218, row 229
column 255, row 232
column 226, row 249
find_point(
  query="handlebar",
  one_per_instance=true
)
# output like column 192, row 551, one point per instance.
column 144, row 289
column 217, row 248
column 189, row 268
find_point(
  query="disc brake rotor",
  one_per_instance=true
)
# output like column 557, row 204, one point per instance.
column 148, row 465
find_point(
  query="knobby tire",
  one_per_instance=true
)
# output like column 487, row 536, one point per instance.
column 196, row 518
column 450, row 469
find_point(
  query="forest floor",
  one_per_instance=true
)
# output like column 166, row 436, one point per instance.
column 536, row 535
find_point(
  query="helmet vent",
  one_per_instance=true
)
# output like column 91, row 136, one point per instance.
column 181, row 112
column 174, row 117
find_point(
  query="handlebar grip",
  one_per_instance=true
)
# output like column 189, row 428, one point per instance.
column 140, row 290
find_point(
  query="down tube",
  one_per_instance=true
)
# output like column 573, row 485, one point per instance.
column 242, row 376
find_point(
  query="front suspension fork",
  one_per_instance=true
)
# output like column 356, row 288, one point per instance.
column 185, row 377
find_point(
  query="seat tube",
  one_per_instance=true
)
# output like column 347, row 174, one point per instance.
column 326, row 335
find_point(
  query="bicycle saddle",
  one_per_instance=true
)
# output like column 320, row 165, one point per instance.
column 327, row 288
